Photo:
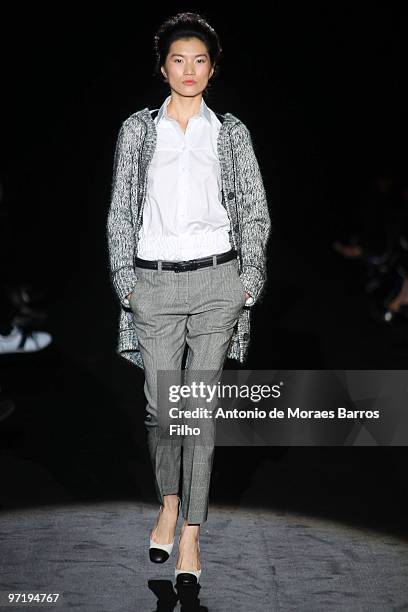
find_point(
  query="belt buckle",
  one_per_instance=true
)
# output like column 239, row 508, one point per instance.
column 182, row 266
column 179, row 266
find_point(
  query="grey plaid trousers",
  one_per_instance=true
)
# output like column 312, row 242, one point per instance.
column 200, row 308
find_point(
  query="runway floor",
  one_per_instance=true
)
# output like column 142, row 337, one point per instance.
column 95, row 556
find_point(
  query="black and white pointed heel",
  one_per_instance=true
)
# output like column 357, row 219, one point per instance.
column 187, row 577
column 159, row 553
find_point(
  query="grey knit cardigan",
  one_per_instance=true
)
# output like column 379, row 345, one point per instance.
column 243, row 196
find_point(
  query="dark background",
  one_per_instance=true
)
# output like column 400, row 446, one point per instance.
column 322, row 88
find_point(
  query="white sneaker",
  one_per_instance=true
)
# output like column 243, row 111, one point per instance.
column 23, row 341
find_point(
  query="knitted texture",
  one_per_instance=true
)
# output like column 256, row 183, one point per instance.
column 243, row 196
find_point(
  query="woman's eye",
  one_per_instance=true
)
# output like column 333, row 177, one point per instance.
column 179, row 60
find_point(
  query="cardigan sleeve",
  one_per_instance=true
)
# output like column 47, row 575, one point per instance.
column 255, row 221
column 120, row 231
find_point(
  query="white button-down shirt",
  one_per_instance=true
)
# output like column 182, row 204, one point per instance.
column 183, row 215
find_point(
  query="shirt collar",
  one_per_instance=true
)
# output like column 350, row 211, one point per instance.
column 203, row 112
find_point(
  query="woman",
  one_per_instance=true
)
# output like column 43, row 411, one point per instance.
column 187, row 232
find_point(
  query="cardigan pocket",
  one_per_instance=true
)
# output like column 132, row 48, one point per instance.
column 135, row 295
column 241, row 284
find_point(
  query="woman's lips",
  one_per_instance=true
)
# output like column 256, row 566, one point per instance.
column 189, row 82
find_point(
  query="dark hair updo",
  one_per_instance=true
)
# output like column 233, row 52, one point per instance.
column 186, row 25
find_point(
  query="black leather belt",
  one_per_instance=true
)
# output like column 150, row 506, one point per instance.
column 184, row 266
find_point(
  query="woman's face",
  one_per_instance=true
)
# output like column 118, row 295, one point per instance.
column 187, row 59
